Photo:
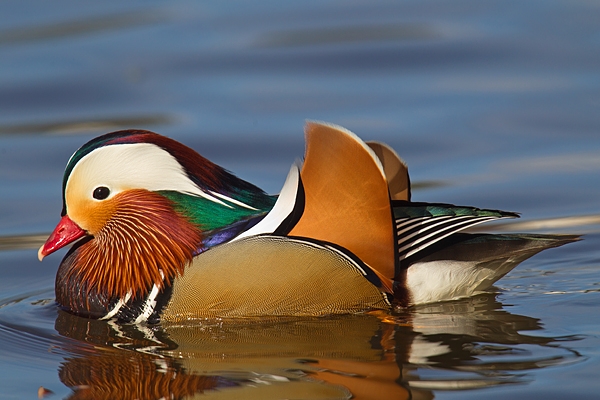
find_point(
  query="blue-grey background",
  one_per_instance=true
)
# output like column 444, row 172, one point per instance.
column 492, row 103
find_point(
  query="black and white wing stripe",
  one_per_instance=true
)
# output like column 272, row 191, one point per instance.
column 417, row 234
column 420, row 225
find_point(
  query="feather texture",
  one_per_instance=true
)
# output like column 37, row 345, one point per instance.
column 273, row 275
column 466, row 264
column 395, row 169
column 421, row 225
column 346, row 196
column 206, row 179
column 144, row 242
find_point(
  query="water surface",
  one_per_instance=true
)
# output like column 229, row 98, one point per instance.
column 494, row 104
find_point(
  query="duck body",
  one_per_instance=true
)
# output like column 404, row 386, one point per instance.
column 161, row 233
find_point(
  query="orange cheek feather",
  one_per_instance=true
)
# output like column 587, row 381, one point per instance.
column 91, row 215
column 139, row 240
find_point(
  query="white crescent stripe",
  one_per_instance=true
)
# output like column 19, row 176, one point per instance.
column 117, row 307
column 281, row 210
column 149, row 305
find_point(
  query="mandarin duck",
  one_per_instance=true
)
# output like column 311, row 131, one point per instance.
column 160, row 233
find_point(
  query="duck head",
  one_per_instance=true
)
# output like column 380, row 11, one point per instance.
column 139, row 206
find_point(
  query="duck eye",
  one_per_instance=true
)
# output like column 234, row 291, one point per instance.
column 101, row 192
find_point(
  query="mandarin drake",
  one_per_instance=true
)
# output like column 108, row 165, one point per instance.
column 160, row 233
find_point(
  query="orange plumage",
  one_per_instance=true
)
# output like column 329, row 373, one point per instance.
column 143, row 240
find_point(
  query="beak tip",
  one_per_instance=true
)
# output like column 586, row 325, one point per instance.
column 65, row 232
column 41, row 254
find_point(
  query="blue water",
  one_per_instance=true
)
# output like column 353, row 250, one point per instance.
column 492, row 103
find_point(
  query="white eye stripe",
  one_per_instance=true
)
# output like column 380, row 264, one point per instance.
column 141, row 165
column 132, row 166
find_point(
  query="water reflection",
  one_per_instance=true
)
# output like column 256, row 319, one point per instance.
column 478, row 343
column 127, row 376
column 463, row 344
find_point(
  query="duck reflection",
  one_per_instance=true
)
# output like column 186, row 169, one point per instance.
column 102, row 376
column 476, row 343
column 123, row 363
column 469, row 343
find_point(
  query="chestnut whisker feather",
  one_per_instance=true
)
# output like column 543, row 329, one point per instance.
column 146, row 236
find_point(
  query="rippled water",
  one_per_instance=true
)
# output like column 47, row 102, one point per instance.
column 493, row 104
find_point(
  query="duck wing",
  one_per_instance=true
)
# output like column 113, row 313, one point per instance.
column 466, row 264
column 395, row 169
column 421, row 225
